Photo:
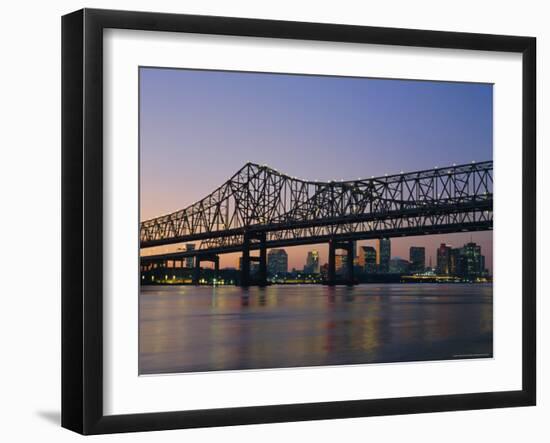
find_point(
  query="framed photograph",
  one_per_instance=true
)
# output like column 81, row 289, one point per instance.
column 268, row 221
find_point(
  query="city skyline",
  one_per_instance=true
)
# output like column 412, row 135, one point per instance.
column 428, row 257
column 313, row 127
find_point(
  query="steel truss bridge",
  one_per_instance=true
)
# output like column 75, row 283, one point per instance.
column 260, row 208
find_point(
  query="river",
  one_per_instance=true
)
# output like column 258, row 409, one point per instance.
column 205, row 328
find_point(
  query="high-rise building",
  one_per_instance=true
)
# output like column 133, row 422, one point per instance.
column 312, row 262
column 254, row 266
column 444, row 259
column 367, row 259
column 417, row 257
column 455, row 261
column 277, row 261
column 189, row 261
column 383, row 256
column 399, row 266
column 471, row 262
column 340, row 262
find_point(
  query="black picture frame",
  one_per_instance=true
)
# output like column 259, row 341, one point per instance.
column 82, row 215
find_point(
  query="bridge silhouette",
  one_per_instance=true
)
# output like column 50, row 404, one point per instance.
column 260, row 208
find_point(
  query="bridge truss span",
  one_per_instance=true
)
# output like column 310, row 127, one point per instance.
column 288, row 210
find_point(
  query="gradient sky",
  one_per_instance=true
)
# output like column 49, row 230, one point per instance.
column 199, row 127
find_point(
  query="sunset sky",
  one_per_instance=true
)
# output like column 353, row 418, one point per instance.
column 197, row 128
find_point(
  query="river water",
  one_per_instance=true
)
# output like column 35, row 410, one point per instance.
column 205, row 328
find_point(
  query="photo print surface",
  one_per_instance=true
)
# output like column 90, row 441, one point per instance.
column 299, row 220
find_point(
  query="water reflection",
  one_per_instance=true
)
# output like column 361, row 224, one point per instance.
column 185, row 329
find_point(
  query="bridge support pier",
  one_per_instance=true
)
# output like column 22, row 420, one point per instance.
column 217, row 268
column 197, row 269
column 333, row 246
column 245, row 263
column 262, row 271
column 331, row 263
column 350, row 278
column 261, row 279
